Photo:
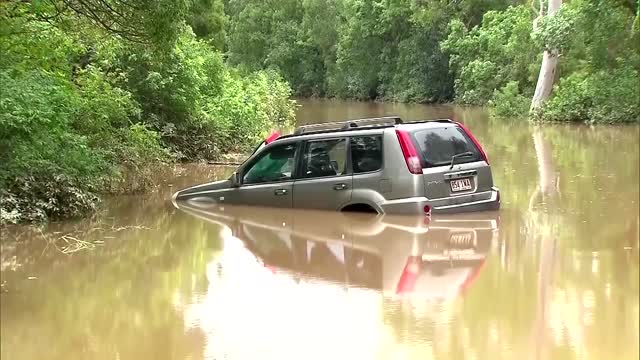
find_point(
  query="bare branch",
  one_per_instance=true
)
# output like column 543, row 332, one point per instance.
column 101, row 13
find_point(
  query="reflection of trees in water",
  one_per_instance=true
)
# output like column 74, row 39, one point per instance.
column 542, row 225
column 118, row 300
column 560, row 284
column 569, row 300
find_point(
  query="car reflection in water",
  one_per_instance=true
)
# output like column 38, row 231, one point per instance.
column 403, row 257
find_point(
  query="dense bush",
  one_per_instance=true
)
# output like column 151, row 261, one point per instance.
column 416, row 77
column 59, row 143
column 85, row 111
column 508, row 102
column 479, row 52
column 247, row 110
column 603, row 97
column 360, row 49
column 497, row 62
column 487, row 57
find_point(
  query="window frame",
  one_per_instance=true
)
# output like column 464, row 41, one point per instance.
column 299, row 175
column 264, row 153
column 350, row 162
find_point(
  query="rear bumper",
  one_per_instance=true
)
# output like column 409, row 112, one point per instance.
column 491, row 203
column 486, row 201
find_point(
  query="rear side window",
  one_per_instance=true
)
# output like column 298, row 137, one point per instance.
column 325, row 158
column 437, row 146
column 366, row 153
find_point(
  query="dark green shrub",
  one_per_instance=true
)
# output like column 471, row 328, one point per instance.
column 602, row 97
column 487, row 57
column 86, row 111
column 40, row 197
column 509, row 103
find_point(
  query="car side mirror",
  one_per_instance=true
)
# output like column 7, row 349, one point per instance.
column 235, row 179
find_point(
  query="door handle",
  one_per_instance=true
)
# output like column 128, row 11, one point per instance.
column 280, row 192
column 340, row 186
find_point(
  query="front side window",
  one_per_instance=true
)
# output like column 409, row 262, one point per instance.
column 366, row 153
column 276, row 164
column 325, row 158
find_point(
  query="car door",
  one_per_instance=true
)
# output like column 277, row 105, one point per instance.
column 268, row 180
column 323, row 181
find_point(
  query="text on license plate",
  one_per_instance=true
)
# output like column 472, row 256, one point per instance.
column 460, row 184
column 461, row 238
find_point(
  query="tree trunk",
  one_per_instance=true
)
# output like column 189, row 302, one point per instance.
column 548, row 67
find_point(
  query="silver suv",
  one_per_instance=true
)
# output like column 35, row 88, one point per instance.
column 381, row 165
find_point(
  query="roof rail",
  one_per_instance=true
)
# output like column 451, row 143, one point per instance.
column 349, row 124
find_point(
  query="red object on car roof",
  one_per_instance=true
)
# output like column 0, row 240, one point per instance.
column 272, row 137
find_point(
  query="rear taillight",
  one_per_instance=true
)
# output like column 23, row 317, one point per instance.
column 475, row 141
column 409, row 151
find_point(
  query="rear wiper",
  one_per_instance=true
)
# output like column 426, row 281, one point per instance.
column 454, row 157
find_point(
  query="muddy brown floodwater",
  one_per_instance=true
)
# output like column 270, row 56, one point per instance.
column 553, row 275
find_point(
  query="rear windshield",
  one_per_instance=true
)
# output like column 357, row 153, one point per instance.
column 437, row 146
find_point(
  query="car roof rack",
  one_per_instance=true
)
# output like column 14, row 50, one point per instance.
column 349, row 124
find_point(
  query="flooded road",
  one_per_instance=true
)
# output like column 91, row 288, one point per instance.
column 553, row 275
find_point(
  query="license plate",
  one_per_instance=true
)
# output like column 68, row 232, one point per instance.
column 460, row 184
column 461, row 238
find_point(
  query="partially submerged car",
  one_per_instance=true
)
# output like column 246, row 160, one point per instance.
column 381, row 165
column 435, row 257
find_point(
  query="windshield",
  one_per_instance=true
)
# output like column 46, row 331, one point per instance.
column 437, row 146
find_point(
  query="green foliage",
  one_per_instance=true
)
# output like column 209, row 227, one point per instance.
column 605, row 36
column 251, row 107
column 420, row 72
column 208, row 21
column 603, row 97
column 153, row 22
column 39, row 197
column 240, row 117
column 496, row 63
column 36, row 119
column 93, row 104
column 508, row 102
column 60, row 140
column 44, row 162
column 556, row 32
column 281, row 35
column 600, row 65
column 361, row 49
column 489, row 56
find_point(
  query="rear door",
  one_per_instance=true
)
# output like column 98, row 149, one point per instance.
column 323, row 181
column 437, row 146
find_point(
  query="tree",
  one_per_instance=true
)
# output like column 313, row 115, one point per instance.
column 547, row 74
column 208, row 21
column 96, row 94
